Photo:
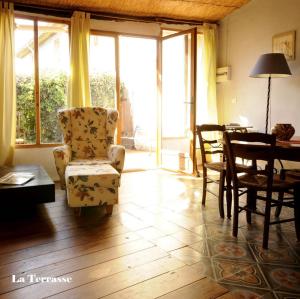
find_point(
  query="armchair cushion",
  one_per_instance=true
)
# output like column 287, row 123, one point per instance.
column 93, row 175
column 62, row 156
column 96, row 161
column 116, row 153
column 88, row 123
column 88, row 132
column 92, row 185
column 88, row 149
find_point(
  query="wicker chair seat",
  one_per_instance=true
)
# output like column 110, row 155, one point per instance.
column 216, row 166
column 259, row 182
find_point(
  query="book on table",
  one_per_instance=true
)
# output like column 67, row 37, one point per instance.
column 16, row 178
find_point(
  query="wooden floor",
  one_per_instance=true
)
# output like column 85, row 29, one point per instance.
column 141, row 251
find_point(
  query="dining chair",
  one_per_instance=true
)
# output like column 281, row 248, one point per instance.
column 210, row 136
column 258, row 147
column 292, row 175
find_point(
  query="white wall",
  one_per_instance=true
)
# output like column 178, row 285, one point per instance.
column 244, row 36
column 40, row 156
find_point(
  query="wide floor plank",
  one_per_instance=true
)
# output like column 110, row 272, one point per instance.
column 79, row 262
column 122, row 280
column 89, row 274
column 80, row 238
column 160, row 285
column 204, row 288
column 64, row 254
column 146, row 249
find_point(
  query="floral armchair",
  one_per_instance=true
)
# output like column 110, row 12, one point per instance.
column 88, row 136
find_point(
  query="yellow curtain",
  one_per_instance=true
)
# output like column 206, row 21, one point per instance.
column 209, row 73
column 7, row 84
column 79, row 86
column 206, row 81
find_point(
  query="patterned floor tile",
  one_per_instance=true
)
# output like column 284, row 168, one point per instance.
column 256, row 236
column 224, row 233
column 281, row 295
column 256, row 224
column 282, row 277
column 275, row 254
column 239, row 273
column 230, row 250
column 292, row 240
column 288, row 227
column 214, row 218
column 248, row 293
column 296, row 248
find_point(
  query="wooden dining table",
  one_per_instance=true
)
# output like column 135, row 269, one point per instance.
column 288, row 150
column 237, row 128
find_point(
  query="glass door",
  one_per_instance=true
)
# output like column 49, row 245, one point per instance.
column 177, row 148
column 138, row 91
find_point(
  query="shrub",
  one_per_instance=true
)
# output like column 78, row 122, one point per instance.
column 103, row 90
column 25, row 108
column 53, row 91
column 53, row 95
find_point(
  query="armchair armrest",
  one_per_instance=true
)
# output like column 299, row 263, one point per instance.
column 62, row 156
column 116, row 153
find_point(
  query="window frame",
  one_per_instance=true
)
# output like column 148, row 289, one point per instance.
column 36, row 19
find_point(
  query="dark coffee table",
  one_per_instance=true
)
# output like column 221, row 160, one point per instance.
column 40, row 189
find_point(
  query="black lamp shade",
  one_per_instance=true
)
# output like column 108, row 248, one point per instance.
column 272, row 65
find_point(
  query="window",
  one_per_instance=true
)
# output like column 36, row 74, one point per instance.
column 26, row 113
column 42, row 64
column 102, row 70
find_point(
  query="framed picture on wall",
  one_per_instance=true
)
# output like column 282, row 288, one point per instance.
column 285, row 43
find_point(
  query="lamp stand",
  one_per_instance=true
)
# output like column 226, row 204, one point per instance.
column 268, row 104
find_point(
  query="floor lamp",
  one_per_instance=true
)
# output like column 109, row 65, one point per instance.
column 272, row 65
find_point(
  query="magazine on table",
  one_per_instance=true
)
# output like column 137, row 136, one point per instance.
column 16, row 178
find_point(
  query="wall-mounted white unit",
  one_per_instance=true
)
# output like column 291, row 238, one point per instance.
column 223, row 74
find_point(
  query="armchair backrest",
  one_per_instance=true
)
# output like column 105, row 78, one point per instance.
column 88, row 131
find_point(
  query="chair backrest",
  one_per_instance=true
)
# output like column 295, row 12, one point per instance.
column 210, row 137
column 88, row 131
column 251, row 146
